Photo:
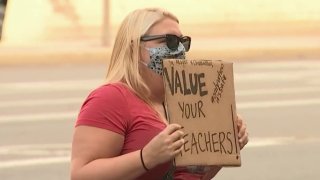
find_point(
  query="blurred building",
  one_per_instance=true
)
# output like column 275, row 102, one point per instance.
column 87, row 20
column 3, row 4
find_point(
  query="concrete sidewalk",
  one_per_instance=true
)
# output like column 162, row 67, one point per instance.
column 224, row 48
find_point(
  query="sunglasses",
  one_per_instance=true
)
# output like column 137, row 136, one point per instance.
column 172, row 41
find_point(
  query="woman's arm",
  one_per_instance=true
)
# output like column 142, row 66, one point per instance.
column 95, row 156
column 95, row 153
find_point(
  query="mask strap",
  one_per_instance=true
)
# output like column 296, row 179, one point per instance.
column 143, row 63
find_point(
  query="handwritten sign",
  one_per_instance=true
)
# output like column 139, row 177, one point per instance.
column 200, row 96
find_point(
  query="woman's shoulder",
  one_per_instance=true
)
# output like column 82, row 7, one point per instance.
column 114, row 94
column 111, row 90
column 106, row 107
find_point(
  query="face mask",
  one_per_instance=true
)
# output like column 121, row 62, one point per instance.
column 157, row 55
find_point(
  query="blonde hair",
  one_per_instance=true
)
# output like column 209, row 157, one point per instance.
column 124, row 62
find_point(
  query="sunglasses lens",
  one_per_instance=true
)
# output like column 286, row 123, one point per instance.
column 173, row 42
column 186, row 41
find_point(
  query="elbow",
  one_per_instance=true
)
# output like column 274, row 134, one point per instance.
column 81, row 172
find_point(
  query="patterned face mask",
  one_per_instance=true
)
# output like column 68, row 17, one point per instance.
column 157, row 55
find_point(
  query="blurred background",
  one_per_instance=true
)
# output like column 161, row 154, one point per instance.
column 54, row 52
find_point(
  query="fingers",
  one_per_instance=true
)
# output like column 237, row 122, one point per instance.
column 241, row 126
column 242, row 132
column 176, row 135
column 179, row 147
column 244, row 140
column 177, row 144
column 172, row 128
column 243, row 136
column 166, row 145
column 239, row 120
column 175, row 138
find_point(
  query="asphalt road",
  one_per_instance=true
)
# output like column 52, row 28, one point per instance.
column 280, row 101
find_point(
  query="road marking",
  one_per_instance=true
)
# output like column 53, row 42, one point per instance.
column 315, row 81
column 279, row 141
column 281, row 65
column 72, row 115
column 48, row 86
column 287, row 91
column 278, row 103
column 58, row 153
column 49, row 116
column 79, row 100
column 41, row 102
column 262, row 142
column 34, row 162
column 266, row 77
column 61, row 85
column 37, row 149
column 255, row 142
column 51, row 84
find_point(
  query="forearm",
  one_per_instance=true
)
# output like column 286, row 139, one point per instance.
column 127, row 166
column 212, row 172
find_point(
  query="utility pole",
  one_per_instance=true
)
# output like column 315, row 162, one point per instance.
column 3, row 4
column 106, row 27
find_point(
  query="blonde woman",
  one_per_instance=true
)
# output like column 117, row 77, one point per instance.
column 121, row 131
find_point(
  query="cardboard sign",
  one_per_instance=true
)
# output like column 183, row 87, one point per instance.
column 200, row 96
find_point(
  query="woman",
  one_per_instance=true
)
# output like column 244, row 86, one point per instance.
column 121, row 131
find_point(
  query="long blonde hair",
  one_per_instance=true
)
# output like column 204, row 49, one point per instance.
column 124, row 62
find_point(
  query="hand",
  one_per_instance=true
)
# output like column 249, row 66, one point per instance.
column 243, row 140
column 242, row 132
column 164, row 147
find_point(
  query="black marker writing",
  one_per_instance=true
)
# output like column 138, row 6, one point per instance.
column 218, row 85
column 215, row 142
column 186, row 84
column 191, row 110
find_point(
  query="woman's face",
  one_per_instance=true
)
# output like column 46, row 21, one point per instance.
column 154, row 80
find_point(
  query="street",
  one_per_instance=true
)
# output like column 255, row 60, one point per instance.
column 279, row 101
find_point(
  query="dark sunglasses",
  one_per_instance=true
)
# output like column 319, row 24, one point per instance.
column 172, row 41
